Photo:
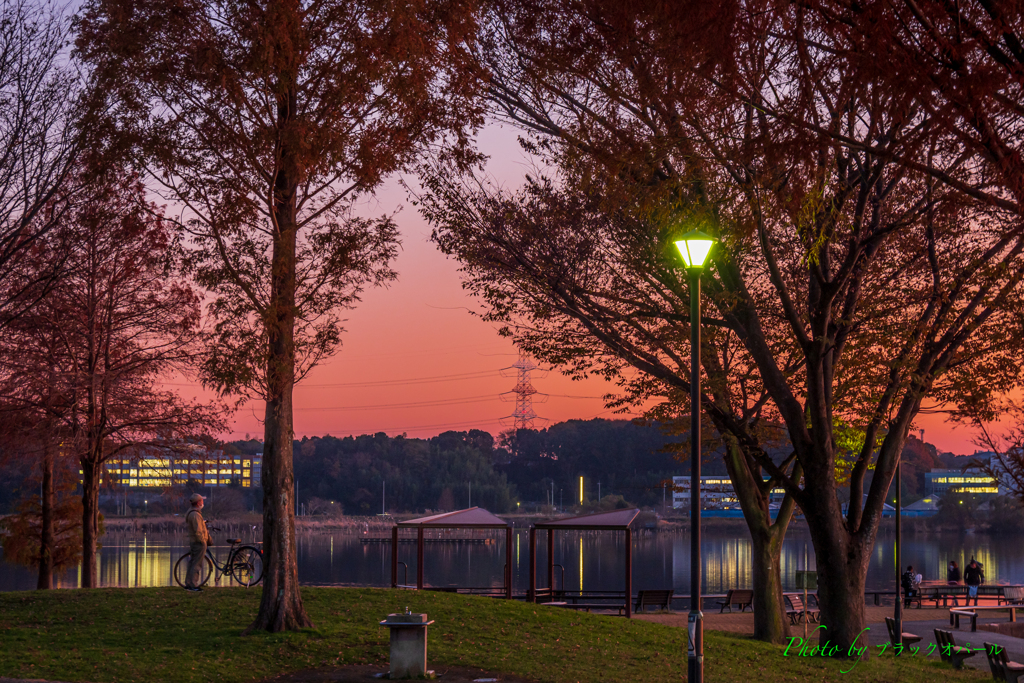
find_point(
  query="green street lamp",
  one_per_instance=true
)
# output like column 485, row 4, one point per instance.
column 695, row 247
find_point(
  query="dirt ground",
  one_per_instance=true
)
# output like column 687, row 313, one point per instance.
column 365, row 673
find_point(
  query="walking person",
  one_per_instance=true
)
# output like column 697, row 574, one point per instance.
column 198, row 538
column 973, row 577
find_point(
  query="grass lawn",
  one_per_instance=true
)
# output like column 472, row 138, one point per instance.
column 166, row 634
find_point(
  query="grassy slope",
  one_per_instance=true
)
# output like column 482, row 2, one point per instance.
column 165, row 634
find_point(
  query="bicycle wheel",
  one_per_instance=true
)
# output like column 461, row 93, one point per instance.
column 247, row 565
column 181, row 570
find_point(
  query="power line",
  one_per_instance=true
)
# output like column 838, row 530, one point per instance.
column 384, row 382
column 483, row 398
column 468, row 423
column 415, row 380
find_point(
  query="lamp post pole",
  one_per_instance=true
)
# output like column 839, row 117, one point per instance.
column 694, row 247
column 695, row 620
column 898, row 616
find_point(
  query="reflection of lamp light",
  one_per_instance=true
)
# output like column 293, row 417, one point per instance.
column 694, row 247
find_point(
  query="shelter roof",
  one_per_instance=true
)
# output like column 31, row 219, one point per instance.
column 616, row 519
column 926, row 503
column 474, row 517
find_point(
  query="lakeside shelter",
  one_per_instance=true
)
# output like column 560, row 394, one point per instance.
column 470, row 518
column 616, row 520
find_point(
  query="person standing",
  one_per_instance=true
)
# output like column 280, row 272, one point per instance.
column 198, row 538
column 973, row 577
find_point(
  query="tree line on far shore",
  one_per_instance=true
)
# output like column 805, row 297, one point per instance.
column 454, row 469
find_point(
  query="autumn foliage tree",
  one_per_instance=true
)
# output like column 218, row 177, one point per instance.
column 963, row 62
column 85, row 361
column 850, row 286
column 267, row 122
column 40, row 139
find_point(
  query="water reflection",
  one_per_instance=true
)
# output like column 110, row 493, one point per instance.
column 589, row 560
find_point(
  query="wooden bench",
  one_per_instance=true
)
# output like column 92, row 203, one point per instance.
column 799, row 611
column 1012, row 595
column 927, row 594
column 972, row 612
column 742, row 598
column 1002, row 668
column 906, row 639
column 957, row 612
column 878, row 595
column 909, row 598
column 949, row 651
column 661, row 599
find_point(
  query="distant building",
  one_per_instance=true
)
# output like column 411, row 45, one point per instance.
column 971, row 480
column 926, row 507
column 159, row 469
column 716, row 491
column 887, row 510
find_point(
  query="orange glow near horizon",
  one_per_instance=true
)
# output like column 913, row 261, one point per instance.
column 416, row 361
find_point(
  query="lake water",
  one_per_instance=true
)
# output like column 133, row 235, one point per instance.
column 592, row 561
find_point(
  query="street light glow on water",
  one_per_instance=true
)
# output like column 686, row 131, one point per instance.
column 661, row 559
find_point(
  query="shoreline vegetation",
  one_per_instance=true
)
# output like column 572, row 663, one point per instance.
column 164, row 634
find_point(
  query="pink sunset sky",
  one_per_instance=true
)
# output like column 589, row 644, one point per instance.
column 415, row 361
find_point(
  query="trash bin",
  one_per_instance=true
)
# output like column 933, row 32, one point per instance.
column 408, row 645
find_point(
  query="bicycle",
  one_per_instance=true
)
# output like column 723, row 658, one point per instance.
column 244, row 565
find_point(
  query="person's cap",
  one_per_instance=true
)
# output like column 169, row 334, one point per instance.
column 195, row 498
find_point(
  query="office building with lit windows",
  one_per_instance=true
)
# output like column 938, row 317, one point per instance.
column 199, row 466
column 971, row 480
column 716, row 491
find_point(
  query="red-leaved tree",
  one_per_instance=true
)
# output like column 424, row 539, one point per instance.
column 88, row 358
column 266, row 122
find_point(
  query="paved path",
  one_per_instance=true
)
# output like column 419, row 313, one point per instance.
column 743, row 622
column 921, row 622
column 963, row 637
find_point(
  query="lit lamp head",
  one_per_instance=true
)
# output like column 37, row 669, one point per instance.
column 695, row 247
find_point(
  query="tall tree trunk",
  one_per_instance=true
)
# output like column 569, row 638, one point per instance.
column 770, row 623
column 46, row 541
column 281, row 606
column 90, row 520
column 840, row 580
